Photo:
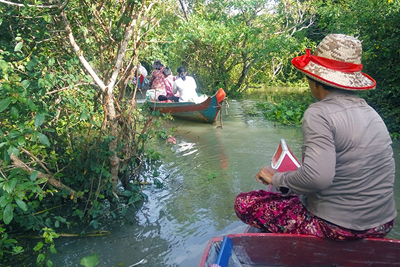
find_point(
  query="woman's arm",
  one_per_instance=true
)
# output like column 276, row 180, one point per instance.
column 174, row 88
column 319, row 161
column 152, row 77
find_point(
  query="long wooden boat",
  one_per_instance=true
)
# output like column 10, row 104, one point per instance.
column 206, row 111
column 267, row 249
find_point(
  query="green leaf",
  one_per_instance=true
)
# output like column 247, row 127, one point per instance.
column 53, row 249
column 39, row 119
column 14, row 113
column 33, row 176
column 31, row 105
column 61, row 219
column 51, row 61
column 4, row 65
column 95, row 224
column 21, row 140
column 38, row 246
column 8, row 214
column 44, row 140
column 48, row 237
column 10, row 185
column 40, row 258
column 5, row 200
column 49, row 79
column 90, row 261
column 84, row 115
column 41, row 83
column 47, row 18
column 17, row 249
column 158, row 183
column 21, row 204
column 32, row 64
column 18, row 47
column 13, row 150
column 4, row 103
column 25, row 83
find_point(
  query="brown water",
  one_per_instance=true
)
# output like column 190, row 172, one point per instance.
column 202, row 174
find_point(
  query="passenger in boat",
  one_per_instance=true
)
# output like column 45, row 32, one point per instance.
column 157, row 86
column 157, row 77
column 186, row 86
column 143, row 81
column 344, row 188
column 140, row 74
column 168, row 81
column 142, row 70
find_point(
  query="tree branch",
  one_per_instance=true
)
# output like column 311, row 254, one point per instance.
column 57, row 184
column 183, row 9
column 38, row 6
column 79, row 53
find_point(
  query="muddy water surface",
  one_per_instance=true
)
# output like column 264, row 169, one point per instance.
column 202, row 174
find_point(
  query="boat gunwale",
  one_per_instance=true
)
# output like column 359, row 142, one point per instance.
column 291, row 238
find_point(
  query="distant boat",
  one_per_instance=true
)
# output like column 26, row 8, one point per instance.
column 268, row 249
column 206, row 111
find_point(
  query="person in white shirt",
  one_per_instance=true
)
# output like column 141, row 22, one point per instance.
column 142, row 70
column 186, row 86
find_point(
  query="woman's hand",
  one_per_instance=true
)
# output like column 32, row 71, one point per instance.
column 264, row 176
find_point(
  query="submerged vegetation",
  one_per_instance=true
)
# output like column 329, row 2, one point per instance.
column 286, row 108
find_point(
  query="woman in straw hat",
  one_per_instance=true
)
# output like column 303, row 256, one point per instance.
column 344, row 188
column 157, row 77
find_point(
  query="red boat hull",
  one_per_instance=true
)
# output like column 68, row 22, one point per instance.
column 267, row 249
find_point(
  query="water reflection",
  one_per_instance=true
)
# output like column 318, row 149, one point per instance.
column 202, row 174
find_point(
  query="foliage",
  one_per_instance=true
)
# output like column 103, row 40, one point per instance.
column 7, row 245
column 376, row 25
column 48, row 236
column 66, row 137
column 286, row 108
column 238, row 44
column 70, row 134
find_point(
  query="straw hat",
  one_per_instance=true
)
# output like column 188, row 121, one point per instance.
column 157, row 64
column 336, row 62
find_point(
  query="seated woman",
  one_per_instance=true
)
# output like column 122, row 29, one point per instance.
column 143, row 82
column 186, row 86
column 156, row 81
column 140, row 74
column 168, row 81
column 344, row 188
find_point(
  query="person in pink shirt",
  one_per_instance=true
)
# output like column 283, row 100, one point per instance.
column 168, row 81
column 157, row 78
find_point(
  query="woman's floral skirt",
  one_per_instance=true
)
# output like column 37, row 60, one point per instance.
column 272, row 212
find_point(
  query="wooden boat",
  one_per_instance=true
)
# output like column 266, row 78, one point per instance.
column 267, row 249
column 254, row 248
column 206, row 111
